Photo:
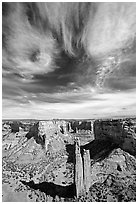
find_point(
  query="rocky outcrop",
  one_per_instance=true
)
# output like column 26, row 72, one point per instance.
column 46, row 154
column 79, row 180
column 114, row 178
column 48, row 133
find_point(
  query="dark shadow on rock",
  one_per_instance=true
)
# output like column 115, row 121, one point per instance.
column 99, row 149
column 15, row 126
column 71, row 153
column 53, row 189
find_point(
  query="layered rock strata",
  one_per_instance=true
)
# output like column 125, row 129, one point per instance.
column 46, row 153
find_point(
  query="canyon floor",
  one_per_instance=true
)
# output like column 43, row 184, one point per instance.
column 39, row 160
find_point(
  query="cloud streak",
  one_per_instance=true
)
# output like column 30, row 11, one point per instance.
column 99, row 107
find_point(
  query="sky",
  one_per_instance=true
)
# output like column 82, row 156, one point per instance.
column 68, row 60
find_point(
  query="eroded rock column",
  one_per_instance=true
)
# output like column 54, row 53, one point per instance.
column 78, row 169
column 87, row 170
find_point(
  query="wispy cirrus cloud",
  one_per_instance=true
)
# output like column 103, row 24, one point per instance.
column 77, row 63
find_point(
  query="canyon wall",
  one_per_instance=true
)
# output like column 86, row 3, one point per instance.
column 121, row 131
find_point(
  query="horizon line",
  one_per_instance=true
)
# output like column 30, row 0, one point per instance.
column 119, row 117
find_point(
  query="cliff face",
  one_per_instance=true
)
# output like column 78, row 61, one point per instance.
column 81, row 127
column 108, row 129
column 121, row 132
column 50, row 134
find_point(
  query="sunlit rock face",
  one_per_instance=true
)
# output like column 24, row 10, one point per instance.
column 44, row 132
column 51, row 132
column 113, row 179
column 114, row 164
column 47, row 132
column 6, row 128
column 12, row 133
column 42, row 149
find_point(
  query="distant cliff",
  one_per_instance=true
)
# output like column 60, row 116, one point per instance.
column 121, row 131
